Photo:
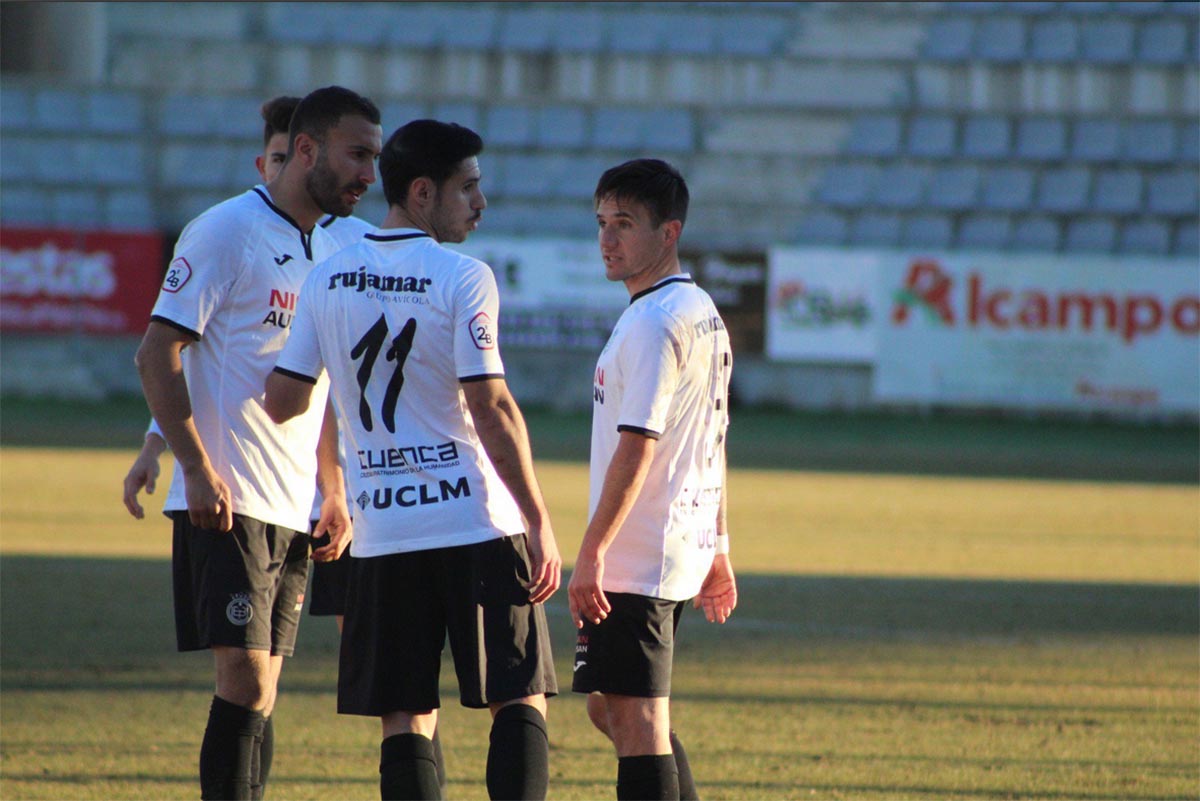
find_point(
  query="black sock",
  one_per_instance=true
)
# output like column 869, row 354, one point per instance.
column 518, row 761
column 687, row 785
column 439, row 760
column 227, row 752
column 407, row 769
column 260, row 767
column 647, row 778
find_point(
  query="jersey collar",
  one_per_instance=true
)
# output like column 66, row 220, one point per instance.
column 397, row 237
column 305, row 238
column 682, row 278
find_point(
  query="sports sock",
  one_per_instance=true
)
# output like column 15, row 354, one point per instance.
column 647, row 778
column 439, row 760
column 227, row 752
column 518, row 761
column 407, row 769
column 260, row 766
column 687, row 785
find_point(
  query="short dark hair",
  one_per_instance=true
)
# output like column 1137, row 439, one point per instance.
column 323, row 109
column 277, row 116
column 424, row 149
column 652, row 182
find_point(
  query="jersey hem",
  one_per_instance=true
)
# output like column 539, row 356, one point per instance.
column 429, row 543
column 467, row 379
column 158, row 318
column 293, row 374
column 645, row 432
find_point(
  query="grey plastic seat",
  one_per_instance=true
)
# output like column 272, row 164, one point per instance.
column 1036, row 233
column 927, row 231
column 985, row 232
column 1041, row 139
column 880, row 229
column 1054, row 40
column 1091, row 235
column 1187, row 240
column 1149, row 142
column 987, row 138
column 1162, row 42
column 1118, row 191
column 1145, row 236
column 1001, row 40
column 1096, row 140
column 954, row 188
column 901, row 187
column 932, row 137
column 875, row 135
column 509, row 126
column 949, row 39
column 847, row 185
column 1064, row 191
column 1107, row 41
column 1173, row 193
column 1007, row 189
column 822, row 228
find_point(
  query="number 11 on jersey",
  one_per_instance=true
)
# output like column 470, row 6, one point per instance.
column 368, row 348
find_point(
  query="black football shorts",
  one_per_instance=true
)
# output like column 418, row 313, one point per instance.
column 401, row 607
column 242, row 588
column 327, row 596
column 631, row 651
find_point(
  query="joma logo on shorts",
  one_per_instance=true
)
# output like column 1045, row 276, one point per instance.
column 421, row 495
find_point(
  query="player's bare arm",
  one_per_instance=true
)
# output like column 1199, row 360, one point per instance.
column 623, row 482
column 160, row 366
column 143, row 473
column 335, row 515
column 718, row 593
column 502, row 431
column 286, row 397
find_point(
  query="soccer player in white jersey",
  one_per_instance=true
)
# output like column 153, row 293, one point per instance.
column 657, row 534
column 243, row 486
column 452, row 536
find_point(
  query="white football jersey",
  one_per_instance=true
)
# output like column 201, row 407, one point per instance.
column 346, row 231
column 233, row 285
column 398, row 321
column 665, row 373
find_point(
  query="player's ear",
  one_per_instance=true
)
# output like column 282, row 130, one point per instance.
column 306, row 150
column 260, row 164
column 672, row 230
column 422, row 190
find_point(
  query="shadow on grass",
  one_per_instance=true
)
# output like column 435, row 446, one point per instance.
column 89, row 618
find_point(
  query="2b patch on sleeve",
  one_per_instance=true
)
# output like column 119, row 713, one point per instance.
column 178, row 274
column 483, row 331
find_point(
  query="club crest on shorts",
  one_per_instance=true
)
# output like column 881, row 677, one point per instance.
column 239, row 612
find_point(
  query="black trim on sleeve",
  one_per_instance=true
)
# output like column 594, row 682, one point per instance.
column 307, row 379
column 158, row 318
column 305, row 238
column 483, row 377
column 645, row 432
column 678, row 279
column 394, row 237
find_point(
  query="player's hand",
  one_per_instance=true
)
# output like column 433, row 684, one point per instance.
column 718, row 593
column 334, row 521
column 143, row 473
column 585, row 592
column 545, row 563
column 210, row 503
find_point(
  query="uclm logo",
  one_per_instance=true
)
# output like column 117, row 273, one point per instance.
column 929, row 289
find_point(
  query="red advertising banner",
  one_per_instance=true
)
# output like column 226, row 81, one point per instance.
column 83, row 281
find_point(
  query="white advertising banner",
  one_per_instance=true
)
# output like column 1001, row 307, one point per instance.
column 553, row 292
column 1033, row 331
column 822, row 305
column 1042, row 331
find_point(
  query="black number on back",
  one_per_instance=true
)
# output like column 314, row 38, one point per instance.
column 368, row 348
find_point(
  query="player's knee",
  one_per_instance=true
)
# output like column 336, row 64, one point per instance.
column 597, row 711
column 245, row 679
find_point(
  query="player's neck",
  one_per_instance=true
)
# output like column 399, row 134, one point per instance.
column 649, row 277
column 399, row 218
column 289, row 193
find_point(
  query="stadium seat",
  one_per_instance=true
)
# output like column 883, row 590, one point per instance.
column 1041, row 139
column 525, row 176
column 191, row 115
column 1036, row 234
column 1007, row 189
column 639, row 32
column 1000, row 39
column 1107, row 41
column 508, row 126
column 187, row 165
column 414, row 26
column 577, row 30
column 1187, row 240
column 1183, row 9
column 616, row 128
column 985, row 232
column 847, row 185
column 1189, row 142
column 120, row 163
column 230, row 115
column 524, row 28
column 954, row 188
column 1162, row 42
column 57, row 110
column 1091, row 235
column 1054, row 40
column 874, row 135
column 1087, row 8
column 395, row 114
column 1172, row 193
column 1149, row 142
column 69, row 206
column 561, row 127
column 986, row 138
column 57, row 161
column 24, row 206
column 1064, row 191
column 1118, row 191
column 1096, row 140
column 463, row 113
column 901, row 186
column 691, row 34
column 129, row 210
column 113, row 112
column 928, row 231
column 16, row 107
column 668, row 130
column 822, row 228
column 18, row 160
column 932, row 137
column 876, row 229
column 948, row 39
column 753, row 35
column 469, row 26
column 1145, row 236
